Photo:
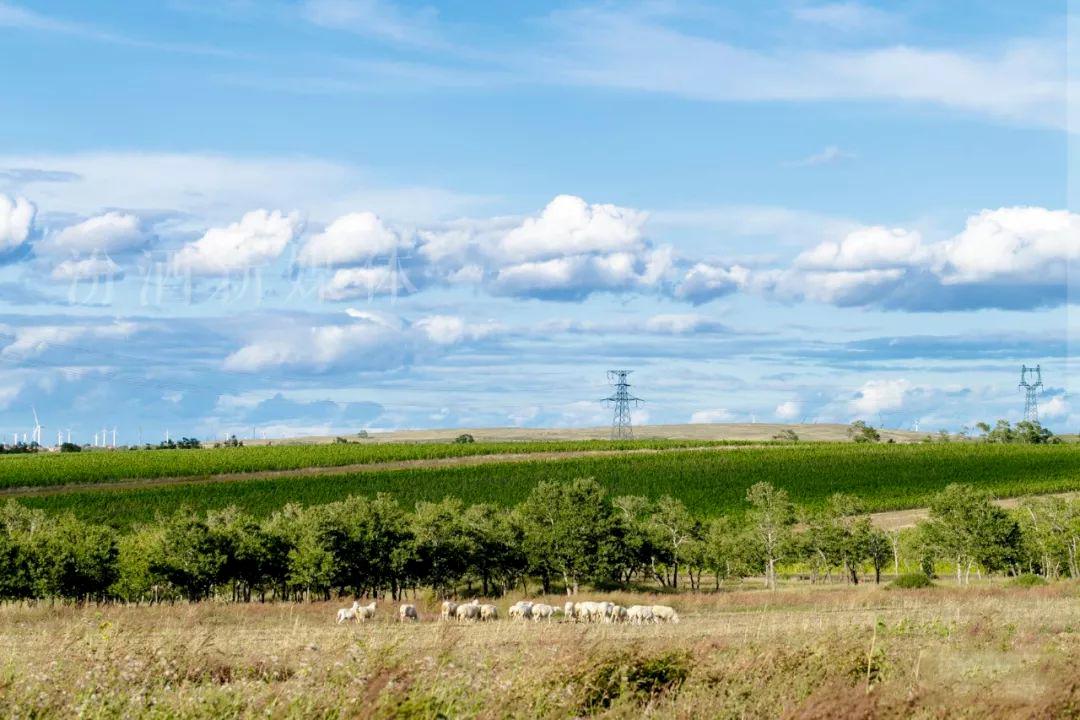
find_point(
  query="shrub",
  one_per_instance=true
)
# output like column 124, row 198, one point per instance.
column 1028, row 580
column 786, row 435
column 464, row 439
column 633, row 675
column 912, row 581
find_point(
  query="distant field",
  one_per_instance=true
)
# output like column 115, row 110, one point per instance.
column 45, row 469
column 886, row 477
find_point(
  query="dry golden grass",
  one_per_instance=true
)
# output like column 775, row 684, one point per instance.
column 799, row 653
column 696, row 431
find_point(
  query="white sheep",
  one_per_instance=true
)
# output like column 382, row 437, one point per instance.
column 407, row 612
column 618, row 614
column 348, row 613
column 589, row 611
column 568, row 610
column 664, row 613
column 639, row 614
column 449, row 610
column 543, row 611
column 366, row 612
column 468, row 611
column 489, row 612
column 521, row 610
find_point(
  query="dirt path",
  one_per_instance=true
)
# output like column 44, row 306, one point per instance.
column 897, row 519
column 461, row 461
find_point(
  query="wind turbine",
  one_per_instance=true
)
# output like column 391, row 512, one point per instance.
column 114, row 437
column 69, row 435
column 37, row 427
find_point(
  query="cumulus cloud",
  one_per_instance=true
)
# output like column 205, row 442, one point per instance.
column 705, row 281
column 16, row 219
column 571, row 226
column 353, row 238
column 258, row 238
column 91, row 268
column 373, row 341
column 1012, row 258
column 1054, row 408
column 877, row 396
column 787, row 410
column 1013, row 245
column 113, row 232
column 352, row 283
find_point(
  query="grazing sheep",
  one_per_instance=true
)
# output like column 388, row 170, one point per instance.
column 449, row 609
column 589, row 611
column 468, row 611
column 639, row 614
column 489, row 612
column 348, row 613
column 543, row 611
column 366, row 612
column 664, row 613
column 521, row 610
column 618, row 614
column 568, row 610
column 407, row 612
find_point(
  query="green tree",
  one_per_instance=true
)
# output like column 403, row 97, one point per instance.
column 965, row 527
column 675, row 528
column 860, row 432
column 441, row 546
column 574, row 529
column 189, row 557
column 771, row 517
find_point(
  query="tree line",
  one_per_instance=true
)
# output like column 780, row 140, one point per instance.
column 561, row 537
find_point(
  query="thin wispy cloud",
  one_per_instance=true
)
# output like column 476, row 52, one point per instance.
column 827, row 156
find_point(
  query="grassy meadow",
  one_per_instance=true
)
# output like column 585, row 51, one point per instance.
column 710, row 482
column 854, row 652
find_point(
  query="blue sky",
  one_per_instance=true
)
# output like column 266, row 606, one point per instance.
column 323, row 215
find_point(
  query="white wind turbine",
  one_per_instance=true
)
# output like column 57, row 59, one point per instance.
column 37, row 427
column 114, row 437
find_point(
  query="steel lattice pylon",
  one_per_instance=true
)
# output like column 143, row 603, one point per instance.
column 1031, row 391
column 621, row 399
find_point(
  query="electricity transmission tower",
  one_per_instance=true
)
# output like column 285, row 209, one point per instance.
column 621, row 399
column 1031, row 391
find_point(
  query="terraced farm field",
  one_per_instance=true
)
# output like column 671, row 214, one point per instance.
column 45, row 469
column 885, row 477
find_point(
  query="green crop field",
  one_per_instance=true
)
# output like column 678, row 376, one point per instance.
column 709, row 482
column 45, row 469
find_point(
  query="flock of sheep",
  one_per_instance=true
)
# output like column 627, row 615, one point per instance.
column 473, row 611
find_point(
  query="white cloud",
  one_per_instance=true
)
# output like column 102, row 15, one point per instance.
column 112, row 232
column 200, row 189
column 830, row 154
column 1055, row 407
column 87, row 269
column 880, row 395
column 16, row 219
column 260, row 237
column 375, row 18
column 352, row 238
column 368, row 345
column 788, row 410
column 34, row 340
column 374, row 341
column 845, row 16
column 871, row 248
column 1021, row 80
column 451, row 330
column 570, row 226
column 706, row 417
column 1030, row 244
column 682, row 324
column 705, row 281
column 353, row 283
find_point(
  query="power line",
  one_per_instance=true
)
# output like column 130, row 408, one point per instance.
column 620, row 400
